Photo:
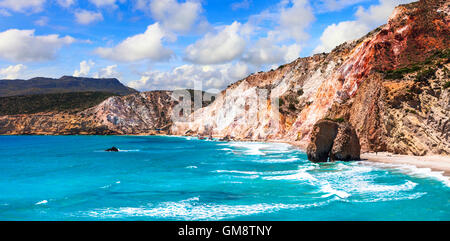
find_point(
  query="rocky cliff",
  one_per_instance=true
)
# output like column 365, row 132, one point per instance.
column 391, row 85
column 140, row 113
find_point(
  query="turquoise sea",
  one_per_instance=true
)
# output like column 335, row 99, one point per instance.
column 177, row 178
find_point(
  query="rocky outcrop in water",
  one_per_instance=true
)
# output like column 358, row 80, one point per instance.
column 322, row 138
column 390, row 85
column 333, row 141
column 346, row 145
column 112, row 149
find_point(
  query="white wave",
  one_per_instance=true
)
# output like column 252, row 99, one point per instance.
column 259, row 148
column 41, row 202
column 301, row 174
column 287, row 160
column 369, row 188
column 247, row 177
column 109, row 185
column 391, row 198
column 137, row 150
column 192, row 210
column 106, row 186
column 239, row 172
column 281, row 172
column 414, row 171
column 331, row 191
column 191, row 167
column 297, row 176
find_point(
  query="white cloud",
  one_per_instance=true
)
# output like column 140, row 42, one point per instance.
column 340, row 33
column 378, row 14
column 106, row 3
column 87, row 17
column 23, row 5
column 222, row 47
column 4, row 13
column 295, row 17
column 108, row 72
column 174, row 16
column 335, row 5
column 139, row 47
column 211, row 76
column 366, row 20
column 266, row 52
column 23, row 45
column 66, row 3
column 85, row 68
column 12, row 71
column 43, row 21
column 244, row 4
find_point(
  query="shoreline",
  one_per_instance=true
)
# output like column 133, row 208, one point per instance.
column 438, row 163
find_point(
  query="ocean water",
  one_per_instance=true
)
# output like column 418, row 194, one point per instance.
column 177, row 178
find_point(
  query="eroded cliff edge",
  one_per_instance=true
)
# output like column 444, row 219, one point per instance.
column 391, row 85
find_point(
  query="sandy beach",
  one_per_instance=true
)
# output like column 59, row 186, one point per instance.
column 435, row 163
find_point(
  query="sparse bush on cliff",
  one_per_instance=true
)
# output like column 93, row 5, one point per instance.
column 399, row 73
column 426, row 75
column 447, row 85
column 64, row 102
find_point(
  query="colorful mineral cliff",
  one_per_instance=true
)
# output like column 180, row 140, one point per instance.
column 391, row 85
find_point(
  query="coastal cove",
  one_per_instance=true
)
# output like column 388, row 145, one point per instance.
column 73, row 178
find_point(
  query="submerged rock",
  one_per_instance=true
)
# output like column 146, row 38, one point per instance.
column 334, row 141
column 112, row 149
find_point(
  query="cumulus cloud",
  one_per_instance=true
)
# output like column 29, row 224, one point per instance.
column 366, row 20
column 173, row 16
column 336, row 34
column 66, row 3
column 12, row 71
column 85, row 68
column 108, row 72
column 218, row 48
column 295, row 17
column 87, row 17
column 146, row 46
column 24, row 45
column 211, row 76
column 23, row 5
column 265, row 52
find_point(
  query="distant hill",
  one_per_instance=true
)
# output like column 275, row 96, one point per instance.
column 64, row 84
column 60, row 102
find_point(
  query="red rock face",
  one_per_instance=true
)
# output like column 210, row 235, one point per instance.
column 350, row 83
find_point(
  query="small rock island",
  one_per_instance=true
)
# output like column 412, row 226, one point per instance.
column 112, row 149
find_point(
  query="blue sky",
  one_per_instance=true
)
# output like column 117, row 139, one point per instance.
column 168, row 44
